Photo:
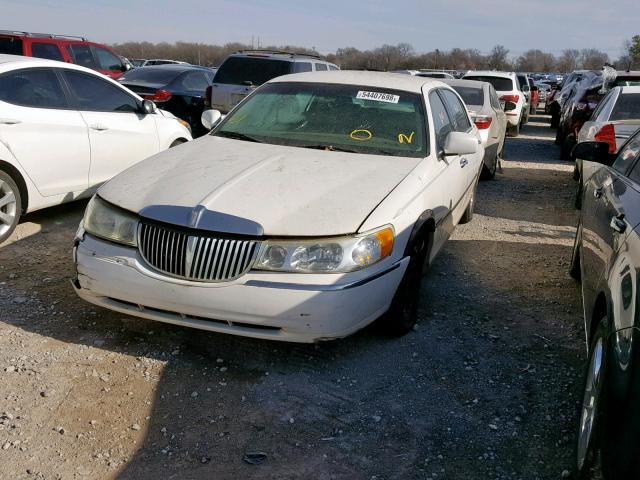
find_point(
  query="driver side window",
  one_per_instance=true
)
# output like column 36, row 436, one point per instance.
column 441, row 122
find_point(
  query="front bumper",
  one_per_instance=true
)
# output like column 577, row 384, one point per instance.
column 268, row 305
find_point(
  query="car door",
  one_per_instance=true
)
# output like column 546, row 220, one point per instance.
column 457, row 111
column 120, row 133
column 453, row 177
column 610, row 211
column 45, row 134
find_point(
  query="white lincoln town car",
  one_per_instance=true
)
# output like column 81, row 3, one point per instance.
column 309, row 211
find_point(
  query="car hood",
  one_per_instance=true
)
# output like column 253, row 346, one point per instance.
column 249, row 188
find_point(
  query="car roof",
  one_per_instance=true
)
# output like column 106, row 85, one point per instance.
column 7, row 60
column 458, row 82
column 392, row 81
column 489, row 73
column 280, row 55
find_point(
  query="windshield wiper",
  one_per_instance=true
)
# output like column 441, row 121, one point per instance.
column 237, row 136
column 330, row 148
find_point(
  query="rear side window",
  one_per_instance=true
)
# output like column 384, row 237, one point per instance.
column 95, row 94
column 501, row 84
column 251, row 70
column 321, row 67
column 493, row 98
column 38, row 88
column 458, row 111
column 81, row 55
column 46, row 50
column 107, row 60
column 471, row 95
column 299, row 67
column 333, row 67
column 11, row 45
column 194, row 81
column 627, row 107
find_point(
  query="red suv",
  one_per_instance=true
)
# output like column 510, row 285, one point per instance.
column 63, row 48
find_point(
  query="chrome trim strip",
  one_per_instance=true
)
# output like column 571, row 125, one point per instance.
column 321, row 288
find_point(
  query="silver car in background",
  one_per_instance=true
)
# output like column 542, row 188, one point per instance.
column 486, row 112
column 616, row 118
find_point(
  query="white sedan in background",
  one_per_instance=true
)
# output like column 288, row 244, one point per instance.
column 308, row 212
column 487, row 113
column 65, row 129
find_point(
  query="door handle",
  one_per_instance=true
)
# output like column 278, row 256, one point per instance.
column 98, row 126
column 618, row 224
column 9, row 121
column 463, row 162
column 597, row 193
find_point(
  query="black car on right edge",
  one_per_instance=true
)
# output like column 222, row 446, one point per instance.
column 606, row 258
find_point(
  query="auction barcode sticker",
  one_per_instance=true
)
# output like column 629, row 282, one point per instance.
column 378, row 96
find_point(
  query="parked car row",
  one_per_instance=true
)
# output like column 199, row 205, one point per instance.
column 88, row 128
column 598, row 118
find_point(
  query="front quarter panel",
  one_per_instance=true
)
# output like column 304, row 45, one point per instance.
column 170, row 130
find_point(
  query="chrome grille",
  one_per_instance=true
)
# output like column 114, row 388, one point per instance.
column 202, row 258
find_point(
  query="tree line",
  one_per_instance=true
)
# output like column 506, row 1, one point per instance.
column 403, row 57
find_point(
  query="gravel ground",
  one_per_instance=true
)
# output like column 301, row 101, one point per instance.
column 487, row 387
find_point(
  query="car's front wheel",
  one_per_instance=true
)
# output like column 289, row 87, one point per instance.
column 403, row 312
column 10, row 202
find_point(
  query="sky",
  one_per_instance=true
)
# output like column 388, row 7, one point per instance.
column 549, row 25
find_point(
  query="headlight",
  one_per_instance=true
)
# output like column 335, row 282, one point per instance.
column 109, row 222
column 340, row 254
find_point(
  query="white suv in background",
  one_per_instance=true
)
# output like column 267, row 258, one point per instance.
column 241, row 73
column 65, row 129
column 508, row 89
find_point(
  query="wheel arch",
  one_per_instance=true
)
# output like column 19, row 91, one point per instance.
column 424, row 227
column 15, row 174
column 599, row 311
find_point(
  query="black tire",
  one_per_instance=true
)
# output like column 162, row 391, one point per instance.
column 566, row 147
column 467, row 216
column 513, row 130
column 587, row 445
column 403, row 312
column 488, row 173
column 574, row 268
column 10, row 211
column 620, row 418
column 555, row 120
column 559, row 136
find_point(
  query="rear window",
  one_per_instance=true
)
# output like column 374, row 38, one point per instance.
column 501, row 84
column 151, row 75
column 11, row 45
column 627, row 107
column 250, row 70
column 471, row 95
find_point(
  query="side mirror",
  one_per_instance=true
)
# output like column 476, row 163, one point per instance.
column 148, row 107
column 597, row 152
column 460, row 143
column 210, row 118
column 509, row 106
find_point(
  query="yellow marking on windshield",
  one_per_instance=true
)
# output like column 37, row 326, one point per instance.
column 403, row 138
column 361, row 134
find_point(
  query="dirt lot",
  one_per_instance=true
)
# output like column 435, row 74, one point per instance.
column 487, row 387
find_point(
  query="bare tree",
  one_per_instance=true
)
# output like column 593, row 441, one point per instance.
column 498, row 58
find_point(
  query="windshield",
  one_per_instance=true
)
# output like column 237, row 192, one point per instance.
column 354, row 118
column 470, row 95
column 627, row 107
column 151, row 75
column 501, row 84
column 251, row 70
